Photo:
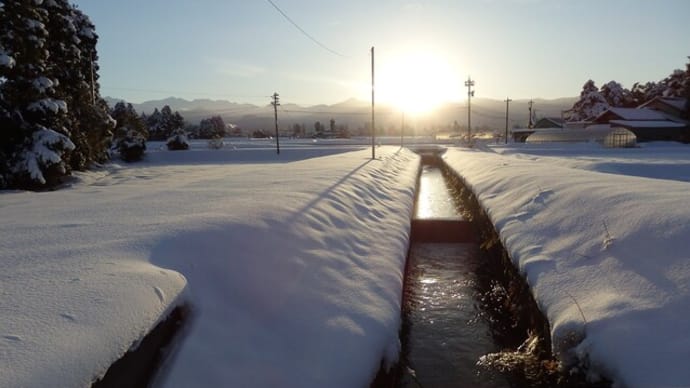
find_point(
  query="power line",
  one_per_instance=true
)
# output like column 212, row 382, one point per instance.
column 305, row 33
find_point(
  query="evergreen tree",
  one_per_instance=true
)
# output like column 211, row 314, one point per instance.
column 130, row 132
column 34, row 133
column 590, row 105
column 92, row 125
column 212, row 128
column 616, row 95
column 164, row 123
column 178, row 141
column 48, row 124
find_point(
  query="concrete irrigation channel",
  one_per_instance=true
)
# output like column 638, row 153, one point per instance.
column 468, row 318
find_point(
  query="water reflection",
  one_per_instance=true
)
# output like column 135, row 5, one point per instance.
column 445, row 335
column 433, row 199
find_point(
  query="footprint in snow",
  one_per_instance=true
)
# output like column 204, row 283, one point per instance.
column 69, row 317
column 14, row 338
column 542, row 196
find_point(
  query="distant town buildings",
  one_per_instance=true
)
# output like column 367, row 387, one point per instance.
column 660, row 119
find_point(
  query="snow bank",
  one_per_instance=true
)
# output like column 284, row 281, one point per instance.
column 300, row 284
column 607, row 256
column 293, row 268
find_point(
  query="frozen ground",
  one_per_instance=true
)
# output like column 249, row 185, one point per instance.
column 603, row 238
column 292, row 265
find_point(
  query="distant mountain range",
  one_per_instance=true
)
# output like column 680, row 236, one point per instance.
column 486, row 113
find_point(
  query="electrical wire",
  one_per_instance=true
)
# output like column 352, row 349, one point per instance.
column 305, row 33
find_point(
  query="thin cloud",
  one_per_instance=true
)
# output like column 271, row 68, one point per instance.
column 234, row 68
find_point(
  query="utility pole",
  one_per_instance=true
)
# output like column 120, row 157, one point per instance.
column 373, row 118
column 529, row 104
column 508, row 100
column 470, row 93
column 275, row 104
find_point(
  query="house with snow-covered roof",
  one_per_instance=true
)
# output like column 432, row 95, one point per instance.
column 646, row 123
column 549, row 122
column 673, row 106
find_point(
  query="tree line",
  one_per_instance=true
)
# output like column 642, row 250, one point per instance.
column 593, row 100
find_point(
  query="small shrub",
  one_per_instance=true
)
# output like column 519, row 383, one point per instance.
column 131, row 147
column 178, row 141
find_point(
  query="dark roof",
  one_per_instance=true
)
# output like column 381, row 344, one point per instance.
column 636, row 114
column 647, row 123
column 548, row 122
column 677, row 103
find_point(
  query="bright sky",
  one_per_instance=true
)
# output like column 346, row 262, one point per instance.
column 243, row 51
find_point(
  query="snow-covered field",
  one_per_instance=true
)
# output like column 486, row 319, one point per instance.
column 292, row 264
column 603, row 238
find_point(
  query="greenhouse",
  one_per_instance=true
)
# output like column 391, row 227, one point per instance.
column 608, row 137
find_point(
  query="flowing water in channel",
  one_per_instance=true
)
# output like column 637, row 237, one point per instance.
column 445, row 331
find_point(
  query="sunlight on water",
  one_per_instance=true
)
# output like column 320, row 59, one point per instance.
column 434, row 200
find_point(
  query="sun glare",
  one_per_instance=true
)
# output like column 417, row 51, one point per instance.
column 417, row 83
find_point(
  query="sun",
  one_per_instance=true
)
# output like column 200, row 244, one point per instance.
column 417, row 82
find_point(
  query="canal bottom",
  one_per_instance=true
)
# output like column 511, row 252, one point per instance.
column 444, row 330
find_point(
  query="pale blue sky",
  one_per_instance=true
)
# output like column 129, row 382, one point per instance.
column 244, row 50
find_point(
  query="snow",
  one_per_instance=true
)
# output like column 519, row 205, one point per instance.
column 292, row 267
column 6, row 60
column 48, row 104
column 43, row 152
column 43, row 83
column 292, row 264
column 604, row 248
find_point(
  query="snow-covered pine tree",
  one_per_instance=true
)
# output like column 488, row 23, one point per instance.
column 74, row 64
column 130, row 132
column 163, row 123
column 212, row 128
column 34, row 147
column 53, row 120
column 616, row 95
column 674, row 84
column 590, row 105
column 178, row 141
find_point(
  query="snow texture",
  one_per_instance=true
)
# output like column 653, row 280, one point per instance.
column 43, row 152
column 601, row 236
column 43, row 83
column 6, row 60
column 48, row 104
column 292, row 266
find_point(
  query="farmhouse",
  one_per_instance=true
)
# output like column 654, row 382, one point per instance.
column 655, row 120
